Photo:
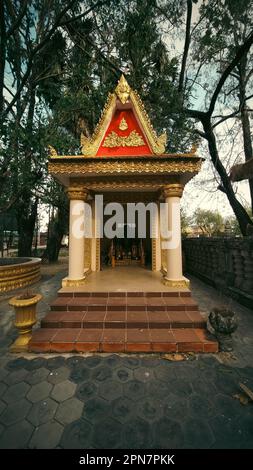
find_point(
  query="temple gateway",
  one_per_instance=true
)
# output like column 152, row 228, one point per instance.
column 124, row 293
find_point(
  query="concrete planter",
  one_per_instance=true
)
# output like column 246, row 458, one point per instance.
column 25, row 318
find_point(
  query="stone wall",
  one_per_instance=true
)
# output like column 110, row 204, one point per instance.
column 225, row 263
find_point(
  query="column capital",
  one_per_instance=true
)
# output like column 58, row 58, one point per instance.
column 77, row 192
column 172, row 190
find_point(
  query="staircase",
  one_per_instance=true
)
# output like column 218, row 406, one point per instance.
column 123, row 322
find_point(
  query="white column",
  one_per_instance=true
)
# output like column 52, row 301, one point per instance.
column 156, row 243
column 77, row 196
column 174, row 276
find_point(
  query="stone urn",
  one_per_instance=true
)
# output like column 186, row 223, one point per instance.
column 224, row 323
column 25, row 317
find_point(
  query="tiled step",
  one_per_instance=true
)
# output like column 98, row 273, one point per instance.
column 120, row 303
column 64, row 293
column 123, row 319
column 122, row 340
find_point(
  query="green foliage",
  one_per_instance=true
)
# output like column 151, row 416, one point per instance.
column 211, row 223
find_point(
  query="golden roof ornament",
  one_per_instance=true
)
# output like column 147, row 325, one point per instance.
column 123, row 90
column 52, row 152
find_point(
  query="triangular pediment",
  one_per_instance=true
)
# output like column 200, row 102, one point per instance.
column 124, row 128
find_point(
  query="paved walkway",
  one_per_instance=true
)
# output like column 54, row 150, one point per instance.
column 126, row 401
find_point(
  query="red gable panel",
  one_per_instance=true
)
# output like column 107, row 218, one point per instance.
column 120, row 135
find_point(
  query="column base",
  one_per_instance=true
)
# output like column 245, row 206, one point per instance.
column 66, row 282
column 176, row 282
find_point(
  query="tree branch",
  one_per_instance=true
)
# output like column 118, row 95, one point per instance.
column 240, row 53
column 186, row 45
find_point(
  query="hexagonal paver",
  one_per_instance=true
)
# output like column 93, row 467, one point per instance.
column 3, row 388
column 2, row 406
column 16, row 436
column 113, row 361
column 16, row 376
column 201, row 407
column 149, row 408
column 165, row 373
column 77, row 435
column 144, row 374
column 3, row 373
column 137, row 434
column 35, row 363
column 96, row 409
column 123, row 374
column 198, row 434
column 134, row 389
column 80, row 373
column 55, row 362
column 70, row 410
column 107, row 434
column 58, row 375
column 18, row 363
column 123, row 409
column 74, row 361
column 110, row 390
column 37, row 375
column 151, row 361
column 93, row 361
column 180, row 387
column 15, row 392
column 86, row 391
column 63, row 390
column 46, row 436
column 175, row 408
column 158, row 389
column 102, row 373
column 15, row 412
column 42, row 412
column 39, row 391
column 168, row 434
column 131, row 362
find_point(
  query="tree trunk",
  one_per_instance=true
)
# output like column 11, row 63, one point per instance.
column 247, row 143
column 57, row 228
column 26, row 225
column 239, row 211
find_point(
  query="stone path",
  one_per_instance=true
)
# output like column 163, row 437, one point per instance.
column 126, row 401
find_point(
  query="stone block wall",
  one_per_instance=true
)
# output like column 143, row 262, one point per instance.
column 225, row 263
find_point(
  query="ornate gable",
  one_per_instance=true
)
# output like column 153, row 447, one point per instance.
column 124, row 128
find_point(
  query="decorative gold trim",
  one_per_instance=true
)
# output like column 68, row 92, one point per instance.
column 25, row 318
column 90, row 145
column 66, row 282
column 122, row 90
column 19, row 275
column 157, row 144
column 132, row 140
column 173, row 189
column 77, row 192
column 124, row 167
column 19, row 302
column 123, row 126
column 52, row 152
column 176, row 283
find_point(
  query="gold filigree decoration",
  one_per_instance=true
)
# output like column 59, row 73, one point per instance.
column 132, row 140
column 158, row 144
column 124, row 167
column 122, row 90
column 52, row 152
column 123, row 126
column 90, row 145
